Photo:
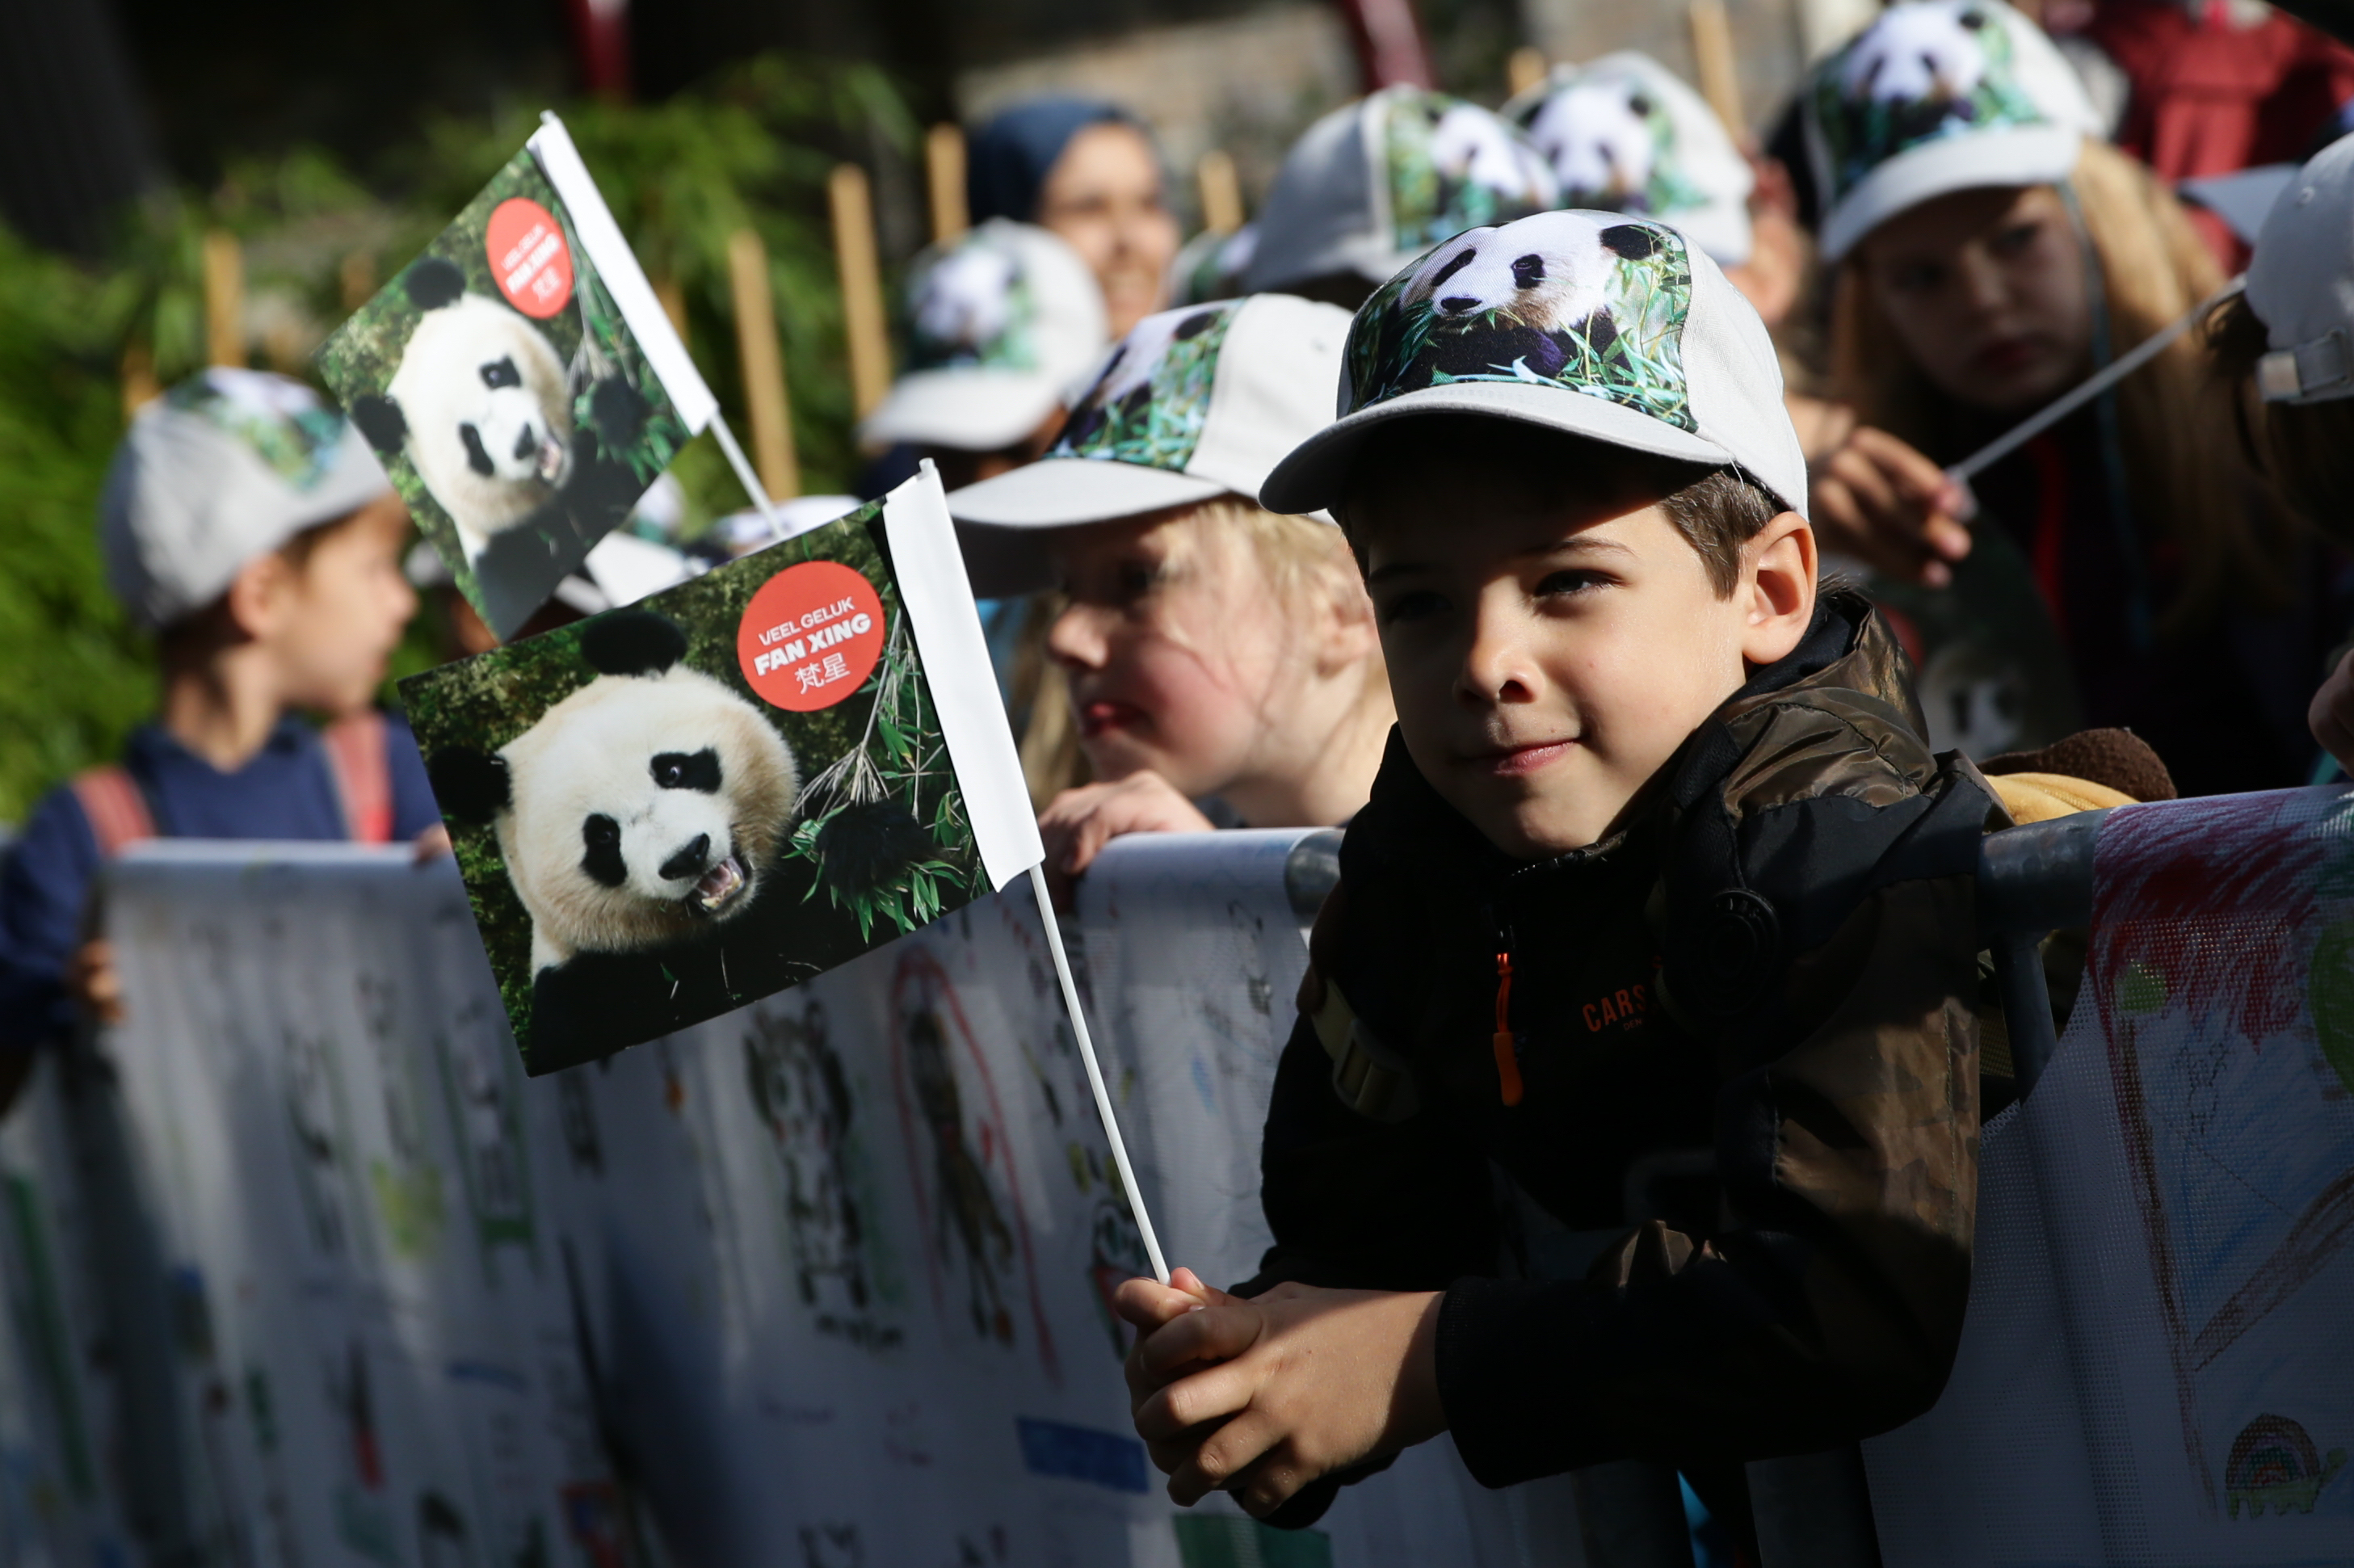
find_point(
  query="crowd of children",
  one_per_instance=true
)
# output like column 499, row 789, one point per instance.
column 1661, row 824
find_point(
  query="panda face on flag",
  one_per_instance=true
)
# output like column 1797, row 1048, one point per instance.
column 1923, row 72
column 1454, row 165
column 1585, row 302
column 1150, row 400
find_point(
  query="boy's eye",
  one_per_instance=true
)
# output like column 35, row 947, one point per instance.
column 1418, row 604
column 1568, row 581
column 1134, row 579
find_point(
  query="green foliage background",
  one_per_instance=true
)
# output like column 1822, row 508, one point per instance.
column 486, row 702
column 751, row 149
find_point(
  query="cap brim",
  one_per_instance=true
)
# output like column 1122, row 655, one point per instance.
column 1002, row 523
column 2012, row 156
column 1059, row 491
column 972, row 410
column 1315, row 476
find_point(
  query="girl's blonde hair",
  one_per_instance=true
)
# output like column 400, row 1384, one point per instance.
column 1304, row 561
column 2187, row 479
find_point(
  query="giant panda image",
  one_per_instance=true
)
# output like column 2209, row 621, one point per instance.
column 482, row 406
column 1599, row 138
column 1921, row 62
column 1470, row 146
column 1124, row 386
column 641, row 821
column 1516, row 294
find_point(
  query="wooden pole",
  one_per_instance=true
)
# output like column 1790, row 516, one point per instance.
column 139, row 387
column 1716, row 64
column 770, row 410
column 1525, row 70
column 356, row 279
column 1222, row 192
column 224, row 299
column 862, row 286
column 944, row 164
column 672, row 301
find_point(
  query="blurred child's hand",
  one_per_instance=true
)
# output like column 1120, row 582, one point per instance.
column 1880, row 500
column 1260, row 1397
column 432, row 843
column 2331, row 717
column 93, row 983
column 1078, row 822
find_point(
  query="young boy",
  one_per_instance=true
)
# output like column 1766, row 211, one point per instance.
column 1660, row 905
column 253, row 530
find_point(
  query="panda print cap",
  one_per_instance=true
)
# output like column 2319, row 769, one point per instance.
column 1598, row 325
column 1193, row 404
column 1624, row 133
column 1939, row 96
column 1000, row 322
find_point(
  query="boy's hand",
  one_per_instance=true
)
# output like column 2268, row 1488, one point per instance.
column 1261, row 1397
column 1077, row 823
column 2331, row 717
column 432, row 843
column 1882, row 502
column 93, row 983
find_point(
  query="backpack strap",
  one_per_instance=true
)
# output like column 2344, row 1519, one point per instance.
column 362, row 769
column 116, row 807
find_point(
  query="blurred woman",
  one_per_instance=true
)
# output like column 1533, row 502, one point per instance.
column 1089, row 172
column 1992, row 255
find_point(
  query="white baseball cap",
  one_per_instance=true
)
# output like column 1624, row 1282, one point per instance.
column 221, row 469
column 1369, row 186
column 1000, row 322
column 2301, row 284
column 1939, row 96
column 1600, row 325
column 1625, row 134
column 1195, row 403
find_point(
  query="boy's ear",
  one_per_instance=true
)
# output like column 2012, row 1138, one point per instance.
column 632, row 642
column 469, row 785
column 1777, row 578
column 381, row 421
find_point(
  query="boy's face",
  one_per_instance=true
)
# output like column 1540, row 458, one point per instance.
column 1547, row 657
column 332, row 621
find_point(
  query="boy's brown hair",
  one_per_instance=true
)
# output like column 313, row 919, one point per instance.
column 1718, row 511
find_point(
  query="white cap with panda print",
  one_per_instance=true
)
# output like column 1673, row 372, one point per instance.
column 1592, row 324
column 2301, row 284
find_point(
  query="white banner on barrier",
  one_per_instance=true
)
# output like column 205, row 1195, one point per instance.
column 845, row 1255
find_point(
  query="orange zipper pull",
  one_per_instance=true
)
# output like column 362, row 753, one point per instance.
column 1508, row 1061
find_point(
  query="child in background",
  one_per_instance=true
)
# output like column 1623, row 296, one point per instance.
column 1215, row 651
column 1089, row 172
column 1369, row 186
column 2285, row 347
column 1656, row 864
column 252, row 530
column 1992, row 254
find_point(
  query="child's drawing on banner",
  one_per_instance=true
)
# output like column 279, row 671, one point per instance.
column 968, row 1193
column 317, row 1132
column 483, row 1084
column 801, row 1093
column 2222, row 970
column 403, row 1175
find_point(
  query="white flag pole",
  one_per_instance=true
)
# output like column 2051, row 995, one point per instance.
column 751, row 480
column 1095, row 1073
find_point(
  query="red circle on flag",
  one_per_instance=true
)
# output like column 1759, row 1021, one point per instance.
column 810, row 636
column 528, row 257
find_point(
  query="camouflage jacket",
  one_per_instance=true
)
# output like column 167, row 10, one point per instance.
column 1732, row 1087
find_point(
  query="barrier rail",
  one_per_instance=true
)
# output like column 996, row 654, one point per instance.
column 824, row 1277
